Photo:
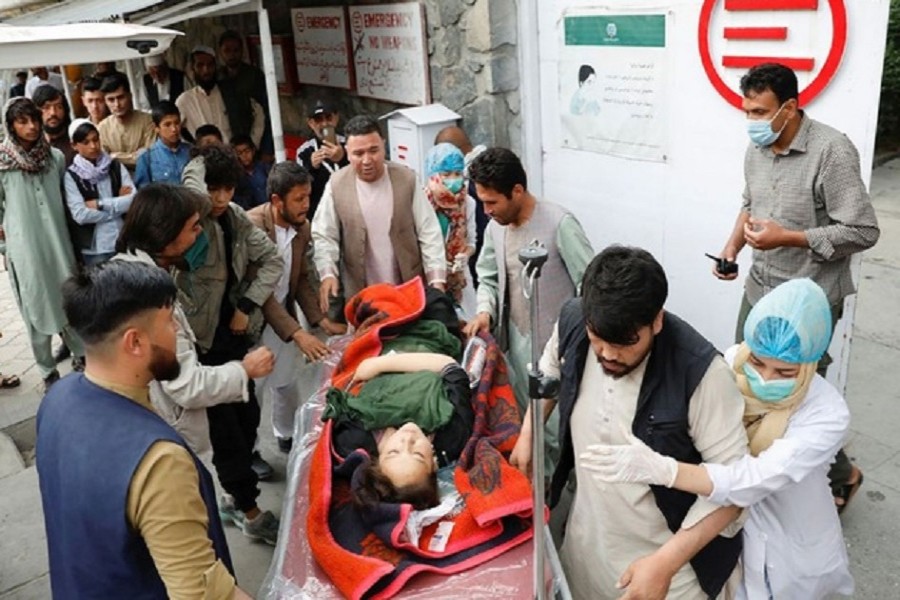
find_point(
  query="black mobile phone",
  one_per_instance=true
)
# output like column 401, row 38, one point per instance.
column 723, row 265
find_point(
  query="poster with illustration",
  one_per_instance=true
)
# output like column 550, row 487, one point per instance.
column 612, row 83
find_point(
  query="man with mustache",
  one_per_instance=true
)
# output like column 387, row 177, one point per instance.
column 629, row 367
column 55, row 113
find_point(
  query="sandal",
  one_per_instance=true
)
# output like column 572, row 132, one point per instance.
column 846, row 491
column 9, row 381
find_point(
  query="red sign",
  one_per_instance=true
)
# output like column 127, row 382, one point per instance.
column 733, row 10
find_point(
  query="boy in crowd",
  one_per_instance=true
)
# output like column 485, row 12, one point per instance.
column 166, row 158
column 251, row 188
column 206, row 135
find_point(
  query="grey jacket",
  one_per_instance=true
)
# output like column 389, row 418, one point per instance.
column 255, row 264
column 182, row 402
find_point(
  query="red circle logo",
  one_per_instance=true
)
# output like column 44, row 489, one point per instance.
column 822, row 76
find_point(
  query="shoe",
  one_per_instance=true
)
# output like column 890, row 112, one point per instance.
column 78, row 364
column 62, row 353
column 228, row 512
column 264, row 528
column 50, row 379
column 263, row 470
column 285, row 444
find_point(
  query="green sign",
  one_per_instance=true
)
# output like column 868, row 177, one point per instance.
column 636, row 31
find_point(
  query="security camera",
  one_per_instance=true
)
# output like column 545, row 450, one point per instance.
column 142, row 46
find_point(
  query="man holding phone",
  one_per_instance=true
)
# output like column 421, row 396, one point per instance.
column 322, row 154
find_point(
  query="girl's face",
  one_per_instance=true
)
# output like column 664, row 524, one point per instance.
column 405, row 455
column 772, row 368
column 89, row 148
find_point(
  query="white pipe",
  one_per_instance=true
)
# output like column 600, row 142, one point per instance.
column 67, row 90
column 530, row 95
column 268, row 60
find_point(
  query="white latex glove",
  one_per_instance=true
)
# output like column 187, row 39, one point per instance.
column 634, row 462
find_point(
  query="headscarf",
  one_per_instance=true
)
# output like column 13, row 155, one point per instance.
column 92, row 173
column 450, row 209
column 792, row 323
column 13, row 156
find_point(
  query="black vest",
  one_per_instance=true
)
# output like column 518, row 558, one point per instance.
column 176, row 87
column 678, row 361
column 83, row 235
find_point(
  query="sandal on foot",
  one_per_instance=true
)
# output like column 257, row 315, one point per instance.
column 9, row 381
column 846, row 491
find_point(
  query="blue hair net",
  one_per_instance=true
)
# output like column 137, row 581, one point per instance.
column 791, row 323
column 444, row 158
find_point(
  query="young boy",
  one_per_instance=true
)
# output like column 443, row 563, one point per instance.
column 166, row 158
column 251, row 188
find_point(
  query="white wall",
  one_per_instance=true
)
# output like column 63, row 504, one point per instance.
column 686, row 206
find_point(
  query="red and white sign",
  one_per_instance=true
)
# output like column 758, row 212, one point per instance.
column 808, row 36
column 322, row 46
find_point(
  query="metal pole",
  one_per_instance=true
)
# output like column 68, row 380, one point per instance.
column 537, row 454
column 268, row 60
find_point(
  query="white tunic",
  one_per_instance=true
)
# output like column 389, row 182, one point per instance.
column 793, row 533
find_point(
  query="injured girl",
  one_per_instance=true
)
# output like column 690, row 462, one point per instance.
column 412, row 416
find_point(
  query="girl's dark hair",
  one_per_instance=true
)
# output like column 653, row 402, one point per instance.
column 81, row 132
column 157, row 215
column 371, row 487
column 21, row 107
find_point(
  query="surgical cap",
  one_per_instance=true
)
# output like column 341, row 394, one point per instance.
column 444, row 158
column 791, row 323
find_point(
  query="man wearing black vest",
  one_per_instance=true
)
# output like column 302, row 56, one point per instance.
column 627, row 365
column 130, row 511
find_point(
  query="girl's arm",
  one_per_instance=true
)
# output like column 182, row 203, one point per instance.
column 408, row 362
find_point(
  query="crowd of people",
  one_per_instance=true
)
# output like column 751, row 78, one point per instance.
column 196, row 276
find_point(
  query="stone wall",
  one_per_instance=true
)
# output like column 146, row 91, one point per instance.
column 472, row 56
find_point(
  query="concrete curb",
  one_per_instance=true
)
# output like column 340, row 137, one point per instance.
column 10, row 460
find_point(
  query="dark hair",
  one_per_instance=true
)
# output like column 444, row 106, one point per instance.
column 91, row 84
column 115, row 81
column 208, row 129
column 81, row 132
column 770, row 76
column 21, row 73
column 100, row 299
column 498, row 169
column 242, row 139
column 222, row 166
column 284, row 177
column 157, row 215
column 230, row 34
column 623, row 290
column 585, row 71
column 163, row 109
column 371, row 487
column 47, row 93
column 362, row 125
column 21, row 107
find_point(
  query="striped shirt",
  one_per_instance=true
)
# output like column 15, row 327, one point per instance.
column 814, row 186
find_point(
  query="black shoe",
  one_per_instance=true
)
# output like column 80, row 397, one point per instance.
column 62, row 353
column 285, row 444
column 263, row 470
column 50, row 379
column 78, row 364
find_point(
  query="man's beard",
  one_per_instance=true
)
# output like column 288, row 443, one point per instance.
column 626, row 369
column 207, row 85
column 56, row 131
column 164, row 365
column 290, row 220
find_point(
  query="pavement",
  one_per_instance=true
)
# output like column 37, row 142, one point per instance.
column 871, row 523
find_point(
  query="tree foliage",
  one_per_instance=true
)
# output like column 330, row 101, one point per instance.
column 889, row 112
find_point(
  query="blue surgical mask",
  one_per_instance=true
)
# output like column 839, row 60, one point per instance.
column 453, row 184
column 761, row 132
column 775, row 390
column 195, row 256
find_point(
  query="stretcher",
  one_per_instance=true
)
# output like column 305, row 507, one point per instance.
column 294, row 573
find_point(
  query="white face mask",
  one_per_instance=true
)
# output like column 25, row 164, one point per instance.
column 761, row 132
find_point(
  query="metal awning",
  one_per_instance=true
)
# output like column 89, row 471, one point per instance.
column 136, row 11
column 80, row 43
